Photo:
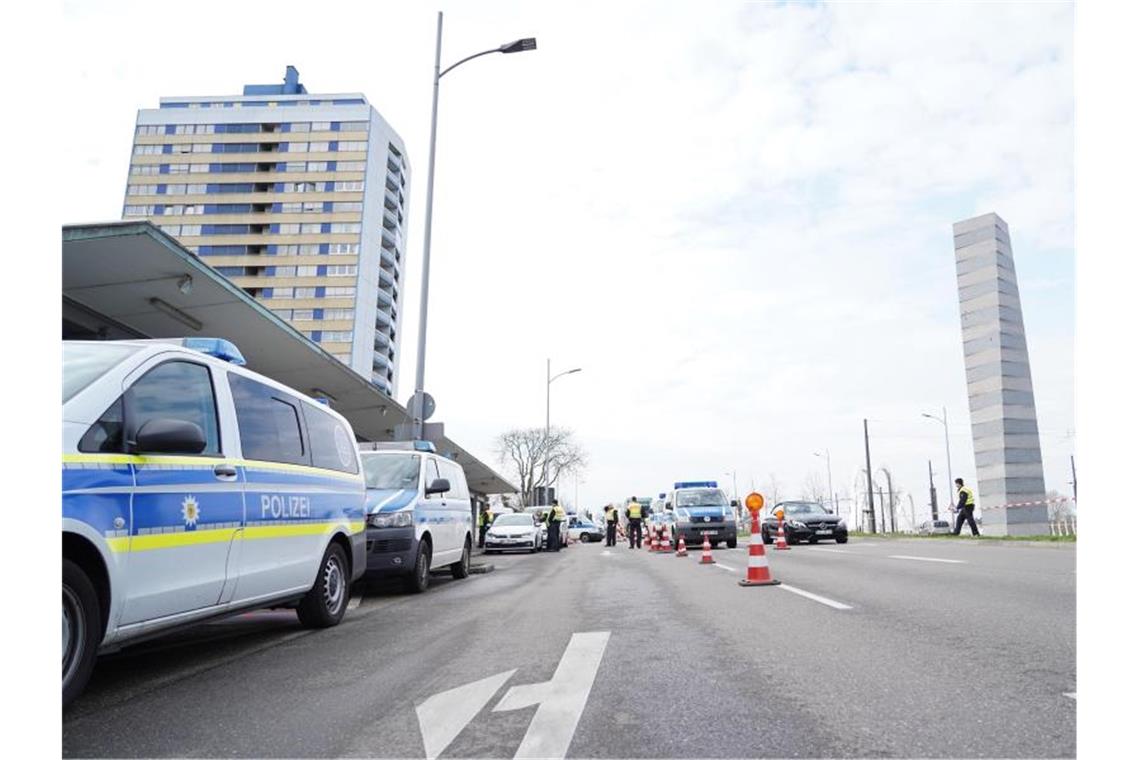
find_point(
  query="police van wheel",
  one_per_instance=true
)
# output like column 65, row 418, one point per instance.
column 417, row 582
column 81, row 634
column 462, row 568
column 731, row 542
column 327, row 600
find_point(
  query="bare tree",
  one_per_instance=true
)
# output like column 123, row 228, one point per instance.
column 1059, row 507
column 773, row 494
column 533, row 454
column 814, row 489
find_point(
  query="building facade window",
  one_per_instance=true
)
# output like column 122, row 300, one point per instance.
column 342, row 227
column 341, row 270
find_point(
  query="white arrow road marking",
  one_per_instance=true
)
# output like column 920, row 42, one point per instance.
column 560, row 700
column 815, row 597
column 442, row 716
column 928, row 559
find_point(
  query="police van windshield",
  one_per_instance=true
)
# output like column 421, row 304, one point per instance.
column 387, row 471
column 84, row 362
column 701, row 497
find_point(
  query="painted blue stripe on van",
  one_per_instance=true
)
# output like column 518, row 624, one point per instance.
column 392, row 499
column 99, row 510
column 103, row 477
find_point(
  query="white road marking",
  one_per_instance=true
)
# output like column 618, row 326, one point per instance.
column 928, row 559
column 444, row 715
column 354, row 602
column 815, row 597
column 831, row 551
column 726, row 567
column 1071, row 695
column 560, row 700
column 606, row 553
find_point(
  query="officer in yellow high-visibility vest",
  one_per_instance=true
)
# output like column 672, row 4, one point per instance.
column 633, row 514
column 485, row 520
column 611, row 525
column 965, row 508
column 555, row 516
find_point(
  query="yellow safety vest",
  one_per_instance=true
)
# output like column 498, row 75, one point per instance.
column 611, row 515
column 559, row 514
column 634, row 511
column 969, row 495
column 484, row 519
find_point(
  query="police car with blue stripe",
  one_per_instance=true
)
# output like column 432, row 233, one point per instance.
column 420, row 515
column 194, row 488
column 702, row 510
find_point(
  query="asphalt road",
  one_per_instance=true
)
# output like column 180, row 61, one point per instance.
column 646, row 656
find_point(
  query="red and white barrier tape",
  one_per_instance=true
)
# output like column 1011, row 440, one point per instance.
column 1061, row 500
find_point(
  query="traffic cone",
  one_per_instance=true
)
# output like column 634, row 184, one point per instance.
column 681, row 550
column 663, row 543
column 706, row 552
column 781, row 543
column 758, row 574
column 651, row 544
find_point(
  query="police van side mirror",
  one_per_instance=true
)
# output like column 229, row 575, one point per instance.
column 735, row 503
column 169, row 436
column 439, row 485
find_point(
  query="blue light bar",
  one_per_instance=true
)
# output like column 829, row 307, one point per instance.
column 661, row 496
column 219, row 348
column 425, row 446
column 696, row 484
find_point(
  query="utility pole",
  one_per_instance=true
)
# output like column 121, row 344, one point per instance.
column 891, row 495
column 933, row 492
column 1073, row 464
column 882, row 510
column 870, row 486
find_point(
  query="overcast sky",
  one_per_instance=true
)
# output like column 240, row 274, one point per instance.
column 735, row 217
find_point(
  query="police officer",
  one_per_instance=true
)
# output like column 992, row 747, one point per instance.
column 633, row 515
column 554, row 518
column 965, row 508
column 485, row 520
column 611, row 525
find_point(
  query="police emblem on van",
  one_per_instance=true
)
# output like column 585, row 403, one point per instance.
column 190, row 511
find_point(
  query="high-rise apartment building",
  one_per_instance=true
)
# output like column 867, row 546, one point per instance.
column 300, row 199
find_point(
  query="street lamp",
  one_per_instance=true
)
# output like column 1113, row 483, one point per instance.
column 949, row 476
column 830, row 490
column 546, row 437
column 518, row 46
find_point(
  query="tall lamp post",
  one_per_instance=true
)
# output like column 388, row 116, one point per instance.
column 546, row 436
column 949, row 477
column 830, row 490
column 518, row 46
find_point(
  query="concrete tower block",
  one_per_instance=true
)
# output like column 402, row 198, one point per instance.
column 1007, row 447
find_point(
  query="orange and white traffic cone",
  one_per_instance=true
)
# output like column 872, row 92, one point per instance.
column 664, row 545
column 758, row 574
column 651, row 544
column 681, row 550
column 781, row 542
column 706, row 552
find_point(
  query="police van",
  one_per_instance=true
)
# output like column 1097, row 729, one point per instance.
column 194, row 488
column 419, row 513
column 702, row 509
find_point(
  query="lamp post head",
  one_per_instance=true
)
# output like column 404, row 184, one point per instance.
column 519, row 46
column 572, row 371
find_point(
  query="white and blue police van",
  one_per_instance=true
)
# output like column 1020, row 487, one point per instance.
column 702, row 509
column 194, row 488
column 419, row 513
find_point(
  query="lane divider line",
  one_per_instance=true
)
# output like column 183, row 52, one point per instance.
column 726, row 567
column 830, row 551
column 815, row 597
column 928, row 559
column 1071, row 695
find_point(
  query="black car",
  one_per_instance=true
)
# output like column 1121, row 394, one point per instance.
column 803, row 521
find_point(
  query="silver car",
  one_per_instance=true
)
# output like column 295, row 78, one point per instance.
column 934, row 528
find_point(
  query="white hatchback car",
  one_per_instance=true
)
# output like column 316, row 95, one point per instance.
column 194, row 488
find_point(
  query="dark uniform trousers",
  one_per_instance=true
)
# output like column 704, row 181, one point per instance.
column 634, row 532
column 611, row 532
column 553, row 539
column 965, row 515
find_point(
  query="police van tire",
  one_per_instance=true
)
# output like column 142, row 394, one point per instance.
column 417, row 581
column 462, row 568
column 731, row 542
column 82, row 627
column 327, row 600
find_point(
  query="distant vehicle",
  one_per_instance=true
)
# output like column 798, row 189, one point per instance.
column 564, row 528
column 195, row 488
column 514, row 531
column 702, row 509
column 934, row 528
column 419, row 513
column 803, row 521
column 584, row 530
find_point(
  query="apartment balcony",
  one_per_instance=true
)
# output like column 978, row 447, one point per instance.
column 381, row 342
column 385, row 280
column 383, row 300
column 380, row 360
column 383, row 320
column 387, row 258
column 387, row 241
column 391, row 221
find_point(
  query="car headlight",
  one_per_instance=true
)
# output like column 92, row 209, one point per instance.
column 841, row 524
column 796, row 524
column 391, row 519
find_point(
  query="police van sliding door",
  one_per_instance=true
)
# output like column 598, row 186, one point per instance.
column 284, row 536
column 186, row 509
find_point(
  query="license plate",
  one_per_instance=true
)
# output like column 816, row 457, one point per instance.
column 823, row 532
column 708, row 532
